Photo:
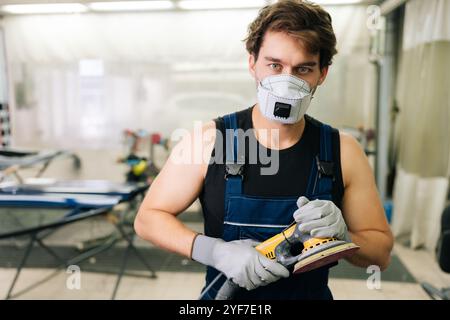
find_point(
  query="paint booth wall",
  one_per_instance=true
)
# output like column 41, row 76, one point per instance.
column 77, row 81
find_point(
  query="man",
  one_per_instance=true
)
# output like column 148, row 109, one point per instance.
column 290, row 45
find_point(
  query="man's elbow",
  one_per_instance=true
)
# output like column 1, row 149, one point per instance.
column 375, row 251
column 385, row 259
column 139, row 225
column 385, row 262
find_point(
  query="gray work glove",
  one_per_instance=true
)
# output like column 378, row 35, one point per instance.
column 321, row 219
column 238, row 260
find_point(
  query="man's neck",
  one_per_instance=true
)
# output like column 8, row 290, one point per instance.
column 289, row 134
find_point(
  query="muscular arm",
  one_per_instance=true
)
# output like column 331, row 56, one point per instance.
column 175, row 188
column 362, row 208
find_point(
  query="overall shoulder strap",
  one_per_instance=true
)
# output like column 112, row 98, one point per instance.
column 321, row 178
column 235, row 157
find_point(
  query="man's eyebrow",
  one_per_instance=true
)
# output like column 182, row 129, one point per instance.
column 303, row 64
column 273, row 59
column 307, row 64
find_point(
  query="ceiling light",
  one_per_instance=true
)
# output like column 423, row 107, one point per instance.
column 220, row 4
column 44, row 8
column 131, row 5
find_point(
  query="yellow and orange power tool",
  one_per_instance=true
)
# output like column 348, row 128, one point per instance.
column 316, row 252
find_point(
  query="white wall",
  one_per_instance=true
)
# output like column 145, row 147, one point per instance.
column 161, row 71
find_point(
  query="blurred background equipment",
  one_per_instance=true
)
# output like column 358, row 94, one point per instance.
column 12, row 161
column 142, row 167
column 38, row 207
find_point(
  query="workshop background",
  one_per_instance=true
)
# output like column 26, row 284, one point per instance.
column 98, row 88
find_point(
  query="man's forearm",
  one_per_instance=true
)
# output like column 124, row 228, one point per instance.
column 375, row 248
column 164, row 230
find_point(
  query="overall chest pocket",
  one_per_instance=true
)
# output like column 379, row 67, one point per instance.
column 250, row 210
column 257, row 218
column 258, row 233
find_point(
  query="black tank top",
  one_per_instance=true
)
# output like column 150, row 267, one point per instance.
column 290, row 180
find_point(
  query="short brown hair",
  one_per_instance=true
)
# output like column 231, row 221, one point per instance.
column 304, row 20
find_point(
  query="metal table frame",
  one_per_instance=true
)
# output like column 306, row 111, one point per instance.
column 12, row 161
column 118, row 219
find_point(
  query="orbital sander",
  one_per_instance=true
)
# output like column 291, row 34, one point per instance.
column 316, row 252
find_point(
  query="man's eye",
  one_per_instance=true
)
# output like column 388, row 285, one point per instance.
column 274, row 66
column 303, row 70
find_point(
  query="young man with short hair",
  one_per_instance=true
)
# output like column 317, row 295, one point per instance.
column 291, row 45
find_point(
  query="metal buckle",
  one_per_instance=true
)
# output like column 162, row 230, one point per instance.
column 234, row 169
column 325, row 168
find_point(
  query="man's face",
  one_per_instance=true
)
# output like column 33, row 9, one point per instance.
column 281, row 53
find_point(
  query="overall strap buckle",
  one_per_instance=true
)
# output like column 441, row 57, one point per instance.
column 234, row 169
column 325, row 168
column 235, row 159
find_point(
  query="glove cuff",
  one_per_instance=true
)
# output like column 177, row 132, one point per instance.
column 347, row 237
column 203, row 249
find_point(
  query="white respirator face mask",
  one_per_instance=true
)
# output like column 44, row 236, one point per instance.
column 284, row 98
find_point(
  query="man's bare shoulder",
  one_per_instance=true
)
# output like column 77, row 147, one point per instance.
column 353, row 158
column 202, row 135
column 349, row 143
column 195, row 148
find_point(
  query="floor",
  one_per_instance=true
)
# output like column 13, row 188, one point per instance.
column 179, row 278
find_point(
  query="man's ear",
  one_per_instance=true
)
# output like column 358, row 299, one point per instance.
column 323, row 74
column 251, row 65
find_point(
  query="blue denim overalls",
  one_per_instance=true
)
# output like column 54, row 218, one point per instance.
column 259, row 218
